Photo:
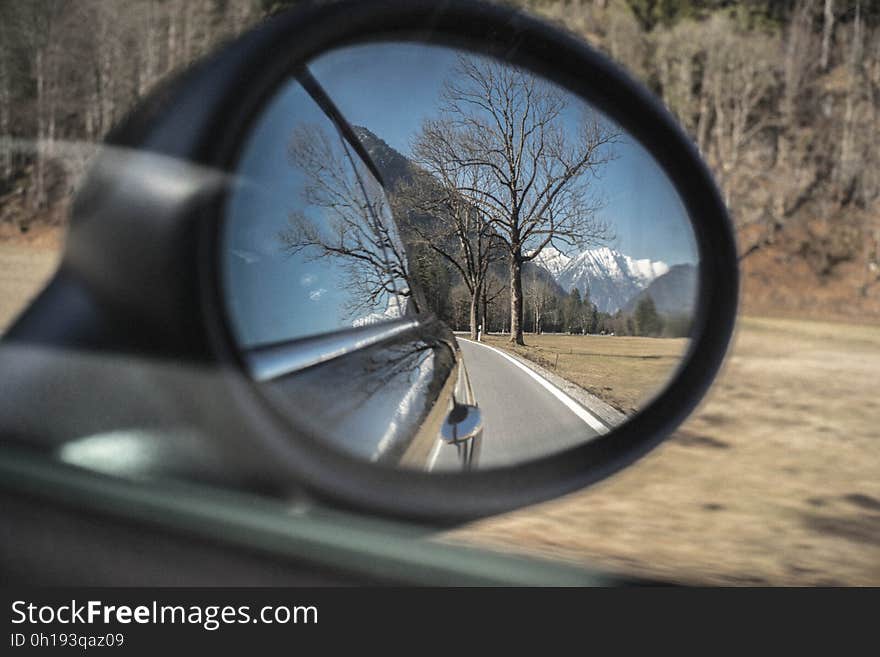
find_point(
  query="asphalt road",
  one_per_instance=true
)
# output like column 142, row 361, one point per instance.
column 523, row 418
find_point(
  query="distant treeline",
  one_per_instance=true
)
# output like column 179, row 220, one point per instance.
column 69, row 71
column 550, row 310
column 782, row 97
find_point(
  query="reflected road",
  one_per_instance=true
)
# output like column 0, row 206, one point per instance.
column 523, row 418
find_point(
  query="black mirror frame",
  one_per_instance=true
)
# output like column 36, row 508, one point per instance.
column 245, row 74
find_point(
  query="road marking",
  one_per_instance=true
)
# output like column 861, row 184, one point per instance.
column 567, row 401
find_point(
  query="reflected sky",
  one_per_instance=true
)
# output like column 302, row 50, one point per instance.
column 391, row 88
column 274, row 295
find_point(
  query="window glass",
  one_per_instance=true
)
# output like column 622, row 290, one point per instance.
column 309, row 245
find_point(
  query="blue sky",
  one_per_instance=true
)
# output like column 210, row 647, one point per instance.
column 272, row 296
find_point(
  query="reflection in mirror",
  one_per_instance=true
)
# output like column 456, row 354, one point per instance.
column 335, row 259
column 441, row 261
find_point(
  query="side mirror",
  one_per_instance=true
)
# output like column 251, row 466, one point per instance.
column 431, row 260
column 463, row 429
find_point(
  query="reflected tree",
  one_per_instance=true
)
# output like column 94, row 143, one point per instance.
column 349, row 221
column 511, row 145
column 442, row 219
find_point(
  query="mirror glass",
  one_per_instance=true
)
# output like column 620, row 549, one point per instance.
column 437, row 260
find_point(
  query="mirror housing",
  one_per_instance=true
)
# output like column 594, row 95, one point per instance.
column 140, row 275
column 463, row 423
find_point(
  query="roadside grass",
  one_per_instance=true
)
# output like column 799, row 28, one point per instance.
column 624, row 372
column 25, row 268
column 774, row 480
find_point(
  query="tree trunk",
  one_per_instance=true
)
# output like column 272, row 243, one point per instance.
column 106, row 73
column 846, row 165
column 148, row 71
column 827, row 30
column 5, row 114
column 38, row 188
column 516, row 299
column 535, row 323
column 703, row 123
column 172, row 38
column 474, row 311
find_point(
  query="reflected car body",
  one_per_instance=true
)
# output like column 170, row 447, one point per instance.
column 394, row 388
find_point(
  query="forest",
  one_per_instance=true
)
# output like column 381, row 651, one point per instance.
column 782, row 98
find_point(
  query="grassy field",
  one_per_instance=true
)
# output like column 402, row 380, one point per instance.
column 622, row 371
column 776, row 478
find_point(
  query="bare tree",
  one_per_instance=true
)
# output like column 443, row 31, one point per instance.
column 355, row 226
column 6, row 85
column 534, row 159
column 848, row 147
column 496, row 303
column 147, row 17
column 827, row 31
column 797, row 73
column 740, row 76
column 539, row 293
column 680, row 57
column 460, row 298
column 37, row 27
column 445, row 220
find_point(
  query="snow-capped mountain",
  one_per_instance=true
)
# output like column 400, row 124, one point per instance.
column 611, row 277
column 553, row 260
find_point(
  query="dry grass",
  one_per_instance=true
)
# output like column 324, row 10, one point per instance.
column 774, row 480
column 622, row 371
column 26, row 264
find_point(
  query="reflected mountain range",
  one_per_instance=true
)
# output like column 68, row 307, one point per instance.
column 615, row 281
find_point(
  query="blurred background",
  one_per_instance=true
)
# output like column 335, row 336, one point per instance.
column 775, row 479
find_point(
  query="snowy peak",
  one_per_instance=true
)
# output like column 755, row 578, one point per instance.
column 553, row 260
column 610, row 277
column 608, row 262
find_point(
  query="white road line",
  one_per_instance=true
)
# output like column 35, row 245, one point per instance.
column 569, row 403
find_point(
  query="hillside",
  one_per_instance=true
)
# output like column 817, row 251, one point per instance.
column 609, row 277
column 673, row 293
